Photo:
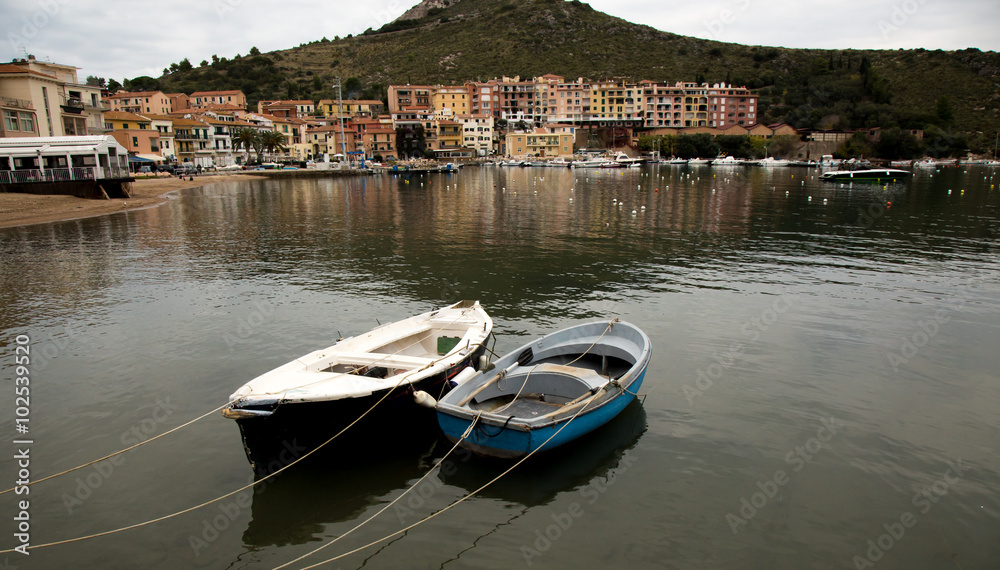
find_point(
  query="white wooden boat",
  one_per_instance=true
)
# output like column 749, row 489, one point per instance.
column 314, row 396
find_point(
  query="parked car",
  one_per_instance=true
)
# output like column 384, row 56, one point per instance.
column 145, row 169
column 165, row 168
column 186, row 169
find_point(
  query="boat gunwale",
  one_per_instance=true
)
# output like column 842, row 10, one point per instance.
column 623, row 382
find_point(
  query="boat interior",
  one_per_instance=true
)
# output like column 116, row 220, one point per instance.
column 548, row 385
column 413, row 351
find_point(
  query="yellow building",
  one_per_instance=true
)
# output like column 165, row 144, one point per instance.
column 450, row 135
column 351, row 108
column 541, row 142
column 450, row 101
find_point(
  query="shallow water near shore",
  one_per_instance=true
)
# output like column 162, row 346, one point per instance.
column 823, row 391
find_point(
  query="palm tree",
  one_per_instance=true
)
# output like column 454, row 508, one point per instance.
column 272, row 141
column 248, row 139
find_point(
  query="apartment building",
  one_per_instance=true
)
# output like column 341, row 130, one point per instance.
column 203, row 99
column 409, row 97
column 478, row 133
column 449, row 101
column 351, row 107
column 135, row 133
column 46, row 99
column 156, row 102
column 542, row 142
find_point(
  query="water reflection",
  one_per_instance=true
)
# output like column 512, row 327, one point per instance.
column 564, row 469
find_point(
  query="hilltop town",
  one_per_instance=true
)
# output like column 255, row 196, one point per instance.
column 545, row 116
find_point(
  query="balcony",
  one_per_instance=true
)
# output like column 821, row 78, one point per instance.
column 17, row 103
column 73, row 106
column 101, row 106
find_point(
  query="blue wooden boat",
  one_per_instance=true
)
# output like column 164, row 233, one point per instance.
column 561, row 386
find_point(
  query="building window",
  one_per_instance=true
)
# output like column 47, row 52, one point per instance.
column 135, row 142
column 27, row 122
column 11, row 120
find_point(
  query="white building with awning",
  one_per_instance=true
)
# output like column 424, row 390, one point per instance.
column 93, row 157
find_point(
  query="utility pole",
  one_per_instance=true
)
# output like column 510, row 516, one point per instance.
column 340, row 113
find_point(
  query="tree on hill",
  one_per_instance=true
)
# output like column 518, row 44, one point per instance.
column 142, row 83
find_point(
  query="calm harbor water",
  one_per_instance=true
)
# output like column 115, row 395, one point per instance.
column 823, row 391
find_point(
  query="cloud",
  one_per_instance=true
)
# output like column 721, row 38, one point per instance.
column 127, row 38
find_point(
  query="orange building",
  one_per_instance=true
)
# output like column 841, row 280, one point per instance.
column 156, row 102
column 202, row 99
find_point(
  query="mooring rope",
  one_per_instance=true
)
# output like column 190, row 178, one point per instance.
column 245, row 487
column 130, row 448
column 463, row 499
column 210, row 412
column 383, row 509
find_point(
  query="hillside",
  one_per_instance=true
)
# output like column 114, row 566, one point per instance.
column 449, row 41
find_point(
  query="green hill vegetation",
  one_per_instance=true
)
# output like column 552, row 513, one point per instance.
column 952, row 95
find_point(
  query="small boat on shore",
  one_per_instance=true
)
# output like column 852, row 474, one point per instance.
column 314, row 396
column 548, row 392
column 866, row 175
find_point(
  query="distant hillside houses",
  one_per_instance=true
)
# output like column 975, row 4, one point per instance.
column 548, row 115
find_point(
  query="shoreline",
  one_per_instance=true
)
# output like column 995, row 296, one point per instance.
column 19, row 210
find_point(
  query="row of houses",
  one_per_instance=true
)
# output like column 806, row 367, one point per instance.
column 552, row 99
column 541, row 116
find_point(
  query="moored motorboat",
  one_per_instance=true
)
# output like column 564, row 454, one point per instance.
column 771, row 162
column 866, row 175
column 548, row 392
column 726, row 161
column 589, row 163
column 306, row 401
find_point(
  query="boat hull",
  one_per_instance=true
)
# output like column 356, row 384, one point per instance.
column 869, row 175
column 512, row 443
column 291, row 430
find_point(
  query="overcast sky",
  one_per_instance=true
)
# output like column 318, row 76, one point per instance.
column 128, row 38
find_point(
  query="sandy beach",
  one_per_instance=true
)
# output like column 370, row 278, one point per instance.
column 28, row 209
